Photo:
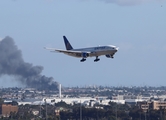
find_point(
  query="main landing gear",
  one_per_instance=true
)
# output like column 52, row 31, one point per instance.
column 97, row 59
column 82, row 60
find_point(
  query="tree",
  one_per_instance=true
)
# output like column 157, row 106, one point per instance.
column 1, row 101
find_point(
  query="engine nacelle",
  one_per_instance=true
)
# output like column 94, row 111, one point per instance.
column 85, row 55
column 108, row 56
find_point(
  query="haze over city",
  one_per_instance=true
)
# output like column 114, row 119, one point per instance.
column 137, row 28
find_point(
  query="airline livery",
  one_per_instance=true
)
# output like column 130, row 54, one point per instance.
column 108, row 51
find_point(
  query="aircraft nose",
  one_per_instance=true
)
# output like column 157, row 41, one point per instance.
column 117, row 48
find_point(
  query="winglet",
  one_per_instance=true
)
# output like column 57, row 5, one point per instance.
column 67, row 44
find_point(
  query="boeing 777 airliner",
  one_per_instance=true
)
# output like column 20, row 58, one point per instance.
column 108, row 51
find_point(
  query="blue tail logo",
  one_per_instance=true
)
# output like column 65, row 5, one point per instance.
column 67, row 44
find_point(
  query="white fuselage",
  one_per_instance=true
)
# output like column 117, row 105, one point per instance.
column 95, row 51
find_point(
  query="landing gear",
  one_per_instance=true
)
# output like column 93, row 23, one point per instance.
column 97, row 59
column 82, row 60
column 112, row 56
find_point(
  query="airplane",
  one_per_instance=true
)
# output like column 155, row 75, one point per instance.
column 108, row 51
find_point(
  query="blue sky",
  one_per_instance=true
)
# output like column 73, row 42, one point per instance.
column 138, row 28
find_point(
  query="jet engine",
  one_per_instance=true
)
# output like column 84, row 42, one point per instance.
column 108, row 56
column 85, row 55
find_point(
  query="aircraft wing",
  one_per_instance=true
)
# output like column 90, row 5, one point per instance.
column 69, row 52
column 55, row 50
column 50, row 49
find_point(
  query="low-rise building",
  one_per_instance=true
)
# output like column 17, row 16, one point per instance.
column 159, row 105
column 155, row 105
column 7, row 109
column 144, row 105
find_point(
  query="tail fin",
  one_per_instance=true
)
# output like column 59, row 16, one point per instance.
column 67, row 44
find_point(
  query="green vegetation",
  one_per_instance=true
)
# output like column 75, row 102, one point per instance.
column 1, row 101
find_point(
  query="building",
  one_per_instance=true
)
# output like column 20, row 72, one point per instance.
column 155, row 105
column 6, row 109
column 144, row 105
column 159, row 105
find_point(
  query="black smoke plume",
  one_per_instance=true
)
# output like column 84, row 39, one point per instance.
column 12, row 64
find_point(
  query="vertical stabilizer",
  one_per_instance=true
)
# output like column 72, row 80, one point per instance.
column 67, row 44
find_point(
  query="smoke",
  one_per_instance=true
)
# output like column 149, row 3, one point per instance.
column 12, row 64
